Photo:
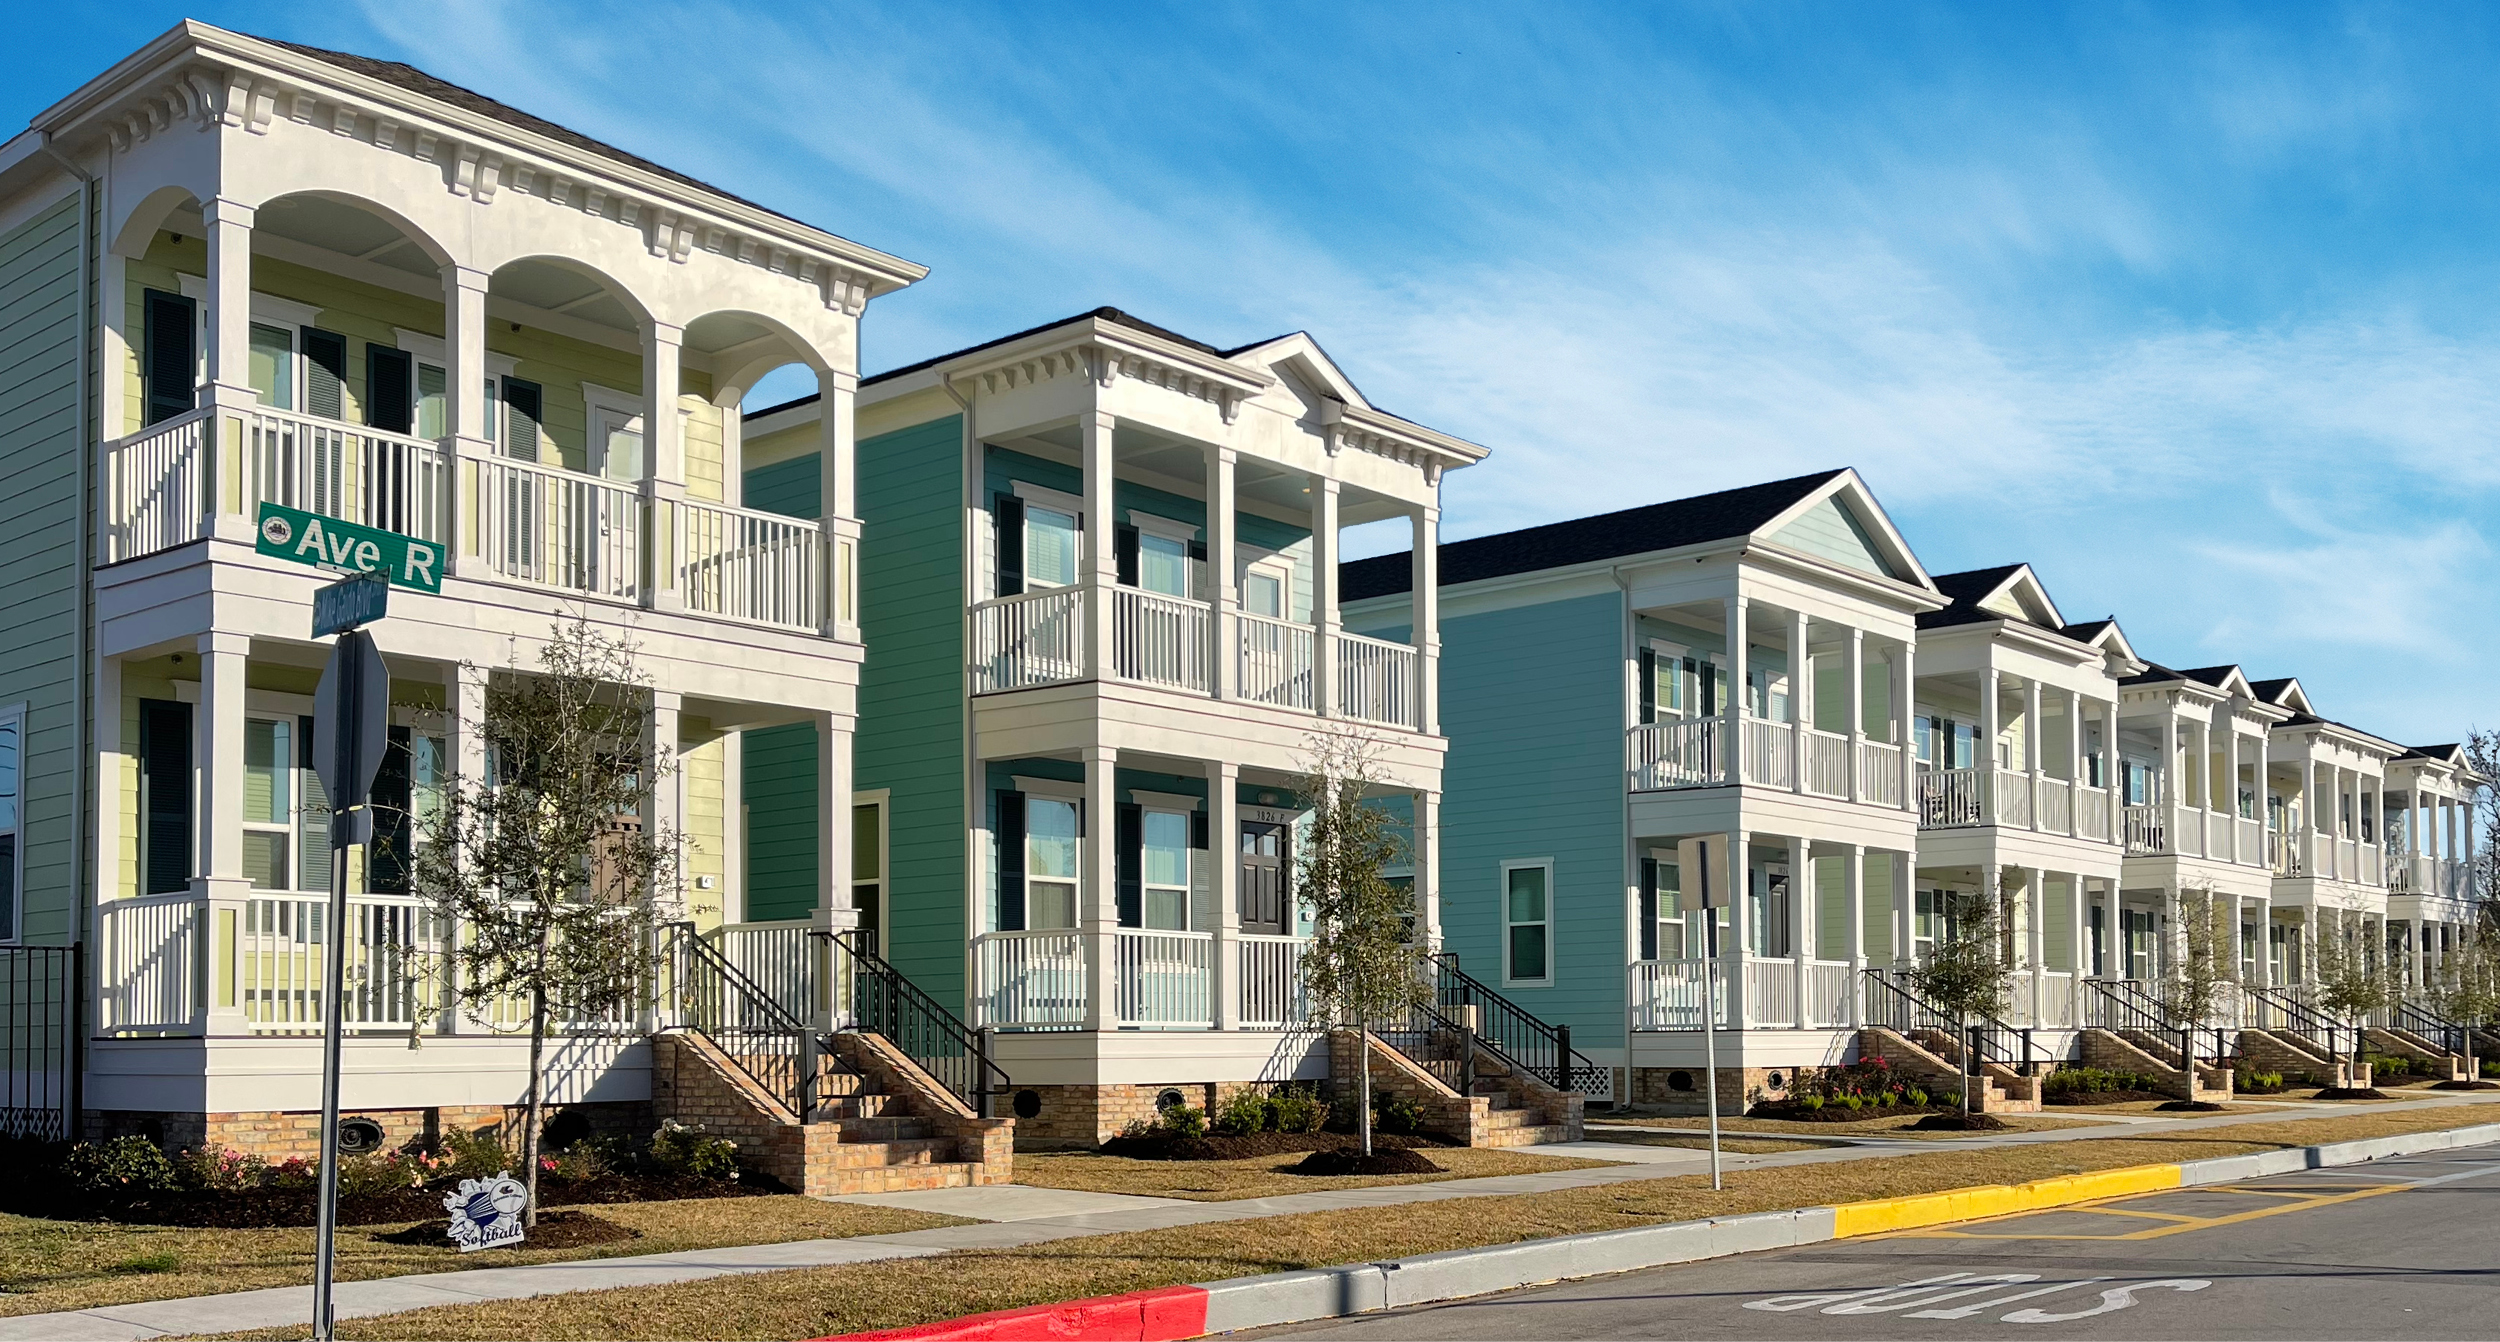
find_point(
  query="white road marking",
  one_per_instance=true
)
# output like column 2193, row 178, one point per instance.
column 1934, row 1291
column 1882, row 1304
column 2112, row 1300
column 1965, row 1311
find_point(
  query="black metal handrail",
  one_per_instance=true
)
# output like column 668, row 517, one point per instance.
column 1514, row 1033
column 883, row 1002
column 2302, row 1019
column 38, row 1041
column 775, row 1049
column 2431, row 1025
column 1903, row 1011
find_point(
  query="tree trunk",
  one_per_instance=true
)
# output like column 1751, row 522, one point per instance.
column 538, row 1085
column 1363, row 1083
column 1963, row 1022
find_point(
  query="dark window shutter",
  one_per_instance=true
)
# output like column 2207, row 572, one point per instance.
column 170, row 332
column 1649, row 908
column 390, row 389
column 1125, row 546
column 1198, row 830
column 165, row 776
column 1649, row 685
column 1010, row 861
column 523, row 406
column 1007, row 515
column 392, row 859
column 1131, row 828
column 1198, row 551
column 1710, row 676
column 325, row 372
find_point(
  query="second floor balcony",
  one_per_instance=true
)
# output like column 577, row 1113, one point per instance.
column 1693, row 752
column 1966, row 798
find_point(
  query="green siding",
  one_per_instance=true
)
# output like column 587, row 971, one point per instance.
column 40, row 330
column 1833, row 532
column 778, row 778
column 1532, row 702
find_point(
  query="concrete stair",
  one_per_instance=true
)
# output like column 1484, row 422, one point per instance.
column 2118, row 1051
column 2006, row 1091
column 1507, row 1123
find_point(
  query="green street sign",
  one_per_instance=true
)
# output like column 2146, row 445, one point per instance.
column 345, row 547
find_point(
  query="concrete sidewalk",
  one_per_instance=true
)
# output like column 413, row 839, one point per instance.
column 1008, row 1216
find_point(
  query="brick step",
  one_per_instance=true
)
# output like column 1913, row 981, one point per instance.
column 1513, row 1118
column 852, row 1180
column 844, row 1083
column 908, row 1151
column 841, row 1107
column 1535, row 1135
column 892, row 1128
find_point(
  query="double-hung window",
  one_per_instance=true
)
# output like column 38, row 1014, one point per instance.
column 1050, row 862
column 269, row 803
column 1162, row 563
column 1164, row 866
column 12, row 817
column 1527, row 922
column 1050, row 547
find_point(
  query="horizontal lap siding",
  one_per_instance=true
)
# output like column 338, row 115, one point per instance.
column 39, row 465
column 779, row 776
column 1531, row 700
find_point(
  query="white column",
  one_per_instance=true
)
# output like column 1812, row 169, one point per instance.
column 1098, row 912
column 833, row 825
column 1904, row 907
column 837, row 498
column 1224, row 853
column 1799, row 683
column 2169, row 772
column 2032, row 744
column 733, row 826
column 1734, row 708
column 1904, row 708
column 2173, row 932
column 1324, row 495
column 2265, row 943
column 2309, row 922
column 1224, row 661
column 663, row 464
column 2114, row 776
column 1854, row 674
column 664, row 811
column 1805, row 899
column 1102, row 560
column 2074, row 770
column 1990, row 695
column 2079, row 957
column 1427, row 867
column 217, row 795
column 1426, row 634
column 464, row 694
column 229, row 355
column 2036, row 943
column 1738, row 897
column 1853, row 886
column 464, row 395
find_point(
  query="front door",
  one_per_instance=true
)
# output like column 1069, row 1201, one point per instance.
column 1262, row 879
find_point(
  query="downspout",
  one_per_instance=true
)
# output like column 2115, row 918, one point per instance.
column 1631, row 851
column 84, row 870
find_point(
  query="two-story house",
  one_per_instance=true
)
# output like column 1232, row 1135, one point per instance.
column 237, row 272
column 1101, row 592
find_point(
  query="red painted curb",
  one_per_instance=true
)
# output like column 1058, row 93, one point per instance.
column 1166, row 1314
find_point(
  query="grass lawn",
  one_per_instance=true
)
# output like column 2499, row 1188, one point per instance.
column 1260, row 1176
column 1888, row 1125
column 2153, row 1108
column 813, row 1302
column 57, row 1265
column 1743, row 1146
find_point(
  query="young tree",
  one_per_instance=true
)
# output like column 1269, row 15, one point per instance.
column 1364, row 962
column 2351, row 981
column 554, row 889
column 2482, row 755
column 2208, row 965
column 1967, row 975
column 2467, row 987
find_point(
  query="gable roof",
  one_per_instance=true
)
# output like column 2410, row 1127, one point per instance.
column 2284, row 692
column 2225, row 678
column 2006, row 592
column 1675, row 523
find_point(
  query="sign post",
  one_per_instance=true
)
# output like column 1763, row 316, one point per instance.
column 351, row 729
column 1694, row 856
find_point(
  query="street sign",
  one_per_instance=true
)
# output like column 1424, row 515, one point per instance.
column 353, row 702
column 350, row 602
column 345, row 547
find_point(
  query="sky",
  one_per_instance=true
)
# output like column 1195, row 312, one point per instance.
column 2188, row 306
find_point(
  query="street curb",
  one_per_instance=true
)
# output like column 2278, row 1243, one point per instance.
column 1175, row 1313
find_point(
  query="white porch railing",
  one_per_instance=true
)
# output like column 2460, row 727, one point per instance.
column 1770, row 992
column 392, row 947
column 1674, row 754
column 1029, row 980
column 1879, row 773
column 2011, row 792
column 2057, row 1001
column 782, row 959
column 2056, row 804
column 1269, row 975
column 2092, row 813
column 1827, row 763
column 1830, row 989
column 558, row 528
column 155, row 488
column 1037, row 638
column 2145, row 830
column 348, row 471
column 150, row 969
column 1666, row 994
column 1158, row 639
column 2251, row 838
column 2282, row 855
column 2321, row 854
column 2187, row 831
column 1275, row 662
column 1164, row 978
column 1376, row 681
column 1768, row 758
column 749, row 565
column 1949, row 798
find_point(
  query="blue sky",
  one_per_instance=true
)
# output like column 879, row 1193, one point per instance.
column 2190, row 306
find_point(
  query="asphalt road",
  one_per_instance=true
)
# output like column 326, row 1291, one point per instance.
column 2406, row 1248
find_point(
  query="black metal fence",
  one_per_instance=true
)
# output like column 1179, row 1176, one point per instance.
column 38, row 1040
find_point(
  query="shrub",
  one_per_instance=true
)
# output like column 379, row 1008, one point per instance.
column 214, row 1169
column 2094, row 1080
column 1298, row 1110
column 2249, row 1082
column 1915, row 1095
column 294, row 1172
column 122, row 1165
column 1395, row 1113
column 1247, row 1112
column 1852, row 1101
column 379, row 1172
column 476, row 1154
column 1185, row 1120
column 591, row 1158
column 1809, row 1102
column 682, row 1148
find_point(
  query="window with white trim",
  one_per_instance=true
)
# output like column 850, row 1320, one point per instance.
column 1050, row 862
column 1527, row 922
column 12, row 818
column 269, row 803
column 1165, row 868
column 1050, row 547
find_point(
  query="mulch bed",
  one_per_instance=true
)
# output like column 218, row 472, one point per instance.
column 555, row 1230
column 1382, row 1160
column 273, row 1208
column 2465, row 1085
column 2090, row 1097
column 1211, row 1147
column 2352, row 1093
column 1961, row 1122
column 2189, row 1107
column 1791, row 1112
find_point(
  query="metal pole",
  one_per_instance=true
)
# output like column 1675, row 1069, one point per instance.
column 348, row 707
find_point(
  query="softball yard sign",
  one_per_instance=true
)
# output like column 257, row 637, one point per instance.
column 486, row 1213
column 346, row 547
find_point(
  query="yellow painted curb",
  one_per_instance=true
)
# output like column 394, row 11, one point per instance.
column 1972, row 1204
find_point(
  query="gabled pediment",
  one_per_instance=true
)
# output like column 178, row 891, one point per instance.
column 1842, row 523
column 2284, row 693
column 2022, row 597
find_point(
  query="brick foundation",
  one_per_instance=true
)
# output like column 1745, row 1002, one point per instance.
column 279, row 1134
column 1074, row 1118
column 1740, row 1088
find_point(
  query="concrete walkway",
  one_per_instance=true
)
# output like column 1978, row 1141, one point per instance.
column 1016, row 1215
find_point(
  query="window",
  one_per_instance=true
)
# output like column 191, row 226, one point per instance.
column 1163, row 564
column 612, row 441
column 169, row 329
column 868, row 868
column 12, row 817
column 268, row 812
column 1671, row 913
column 1049, row 547
column 1166, row 870
column 1263, row 593
column 1527, row 922
column 272, row 367
column 1050, row 862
